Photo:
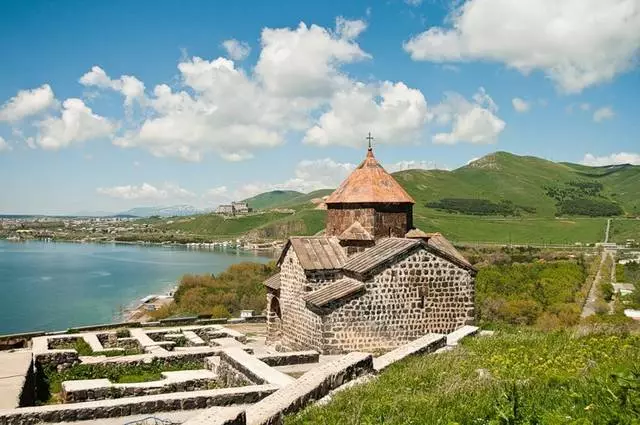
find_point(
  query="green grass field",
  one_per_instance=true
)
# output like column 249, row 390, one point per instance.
column 622, row 229
column 460, row 228
column 515, row 377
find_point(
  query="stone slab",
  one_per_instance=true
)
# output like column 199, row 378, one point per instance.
column 216, row 417
column 253, row 368
column 454, row 337
column 93, row 341
column 426, row 344
column 311, row 386
column 194, row 339
column 226, row 342
column 290, row 358
column 14, row 367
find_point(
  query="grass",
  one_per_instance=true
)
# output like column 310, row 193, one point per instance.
column 84, row 349
column 514, row 377
column 49, row 380
column 462, row 228
column 623, row 229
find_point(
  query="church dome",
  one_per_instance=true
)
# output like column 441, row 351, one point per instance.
column 369, row 183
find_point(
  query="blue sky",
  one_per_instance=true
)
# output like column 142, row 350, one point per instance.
column 110, row 105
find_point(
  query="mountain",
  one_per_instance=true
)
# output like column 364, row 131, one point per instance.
column 167, row 211
column 500, row 197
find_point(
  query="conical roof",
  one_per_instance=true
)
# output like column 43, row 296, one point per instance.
column 369, row 183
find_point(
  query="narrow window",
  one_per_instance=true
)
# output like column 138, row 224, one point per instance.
column 421, row 297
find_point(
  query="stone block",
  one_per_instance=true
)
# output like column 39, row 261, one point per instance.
column 311, row 386
column 427, row 344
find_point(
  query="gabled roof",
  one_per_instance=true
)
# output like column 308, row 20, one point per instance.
column 355, row 232
column 334, row 291
column 441, row 244
column 383, row 251
column 387, row 249
column 273, row 282
column 316, row 253
column 369, row 183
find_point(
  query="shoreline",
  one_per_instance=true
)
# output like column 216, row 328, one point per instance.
column 136, row 311
column 274, row 246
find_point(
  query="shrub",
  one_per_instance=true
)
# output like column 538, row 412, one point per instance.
column 477, row 206
column 606, row 290
column 239, row 287
column 588, row 207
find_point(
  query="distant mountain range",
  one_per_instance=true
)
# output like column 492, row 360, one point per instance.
column 160, row 211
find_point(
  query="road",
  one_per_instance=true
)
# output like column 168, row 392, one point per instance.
column 606, row 234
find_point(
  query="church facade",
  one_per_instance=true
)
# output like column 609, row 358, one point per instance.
column 372, row 282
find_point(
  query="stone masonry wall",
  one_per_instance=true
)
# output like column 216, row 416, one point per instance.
column 383, row 221
column 300, row 327
column 120, row 391
column 419, row 294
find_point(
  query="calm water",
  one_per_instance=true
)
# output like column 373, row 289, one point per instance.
column 52, row 286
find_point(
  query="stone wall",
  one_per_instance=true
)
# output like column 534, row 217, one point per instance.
column 381, row 221
column 109, row 391
column 135, row 405
column 419, row 294
column 236, row 367
column 62, row 359
column 300, row 328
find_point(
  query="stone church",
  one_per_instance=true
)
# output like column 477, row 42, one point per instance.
column 372, row 282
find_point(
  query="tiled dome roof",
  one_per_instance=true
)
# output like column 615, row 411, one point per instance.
column 369, row 183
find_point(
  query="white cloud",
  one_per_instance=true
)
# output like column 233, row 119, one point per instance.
column 576, row 43
column 223, row 110
column 237, row 50
column 77, row 123
column 414, row 3
column 471, row 122
column 227, row 113
column 520, row 105
column 309, row 175
column 349, row 30
column 27, row 103
column 146, row 191
column 304, row 62
column 130, row 87
column 604, row 113
column 4, row 146
column 614, row 158
column 393, row 112
column 412, row 165
column 585, row 106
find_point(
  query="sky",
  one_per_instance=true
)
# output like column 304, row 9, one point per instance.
column 106, row 106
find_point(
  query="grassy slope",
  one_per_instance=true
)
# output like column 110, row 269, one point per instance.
column 555, row 378
column 496, row 177
column 213, row 225
column 271, row 199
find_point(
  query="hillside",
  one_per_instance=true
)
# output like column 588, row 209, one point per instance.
column 501, row 197
column 272, row 199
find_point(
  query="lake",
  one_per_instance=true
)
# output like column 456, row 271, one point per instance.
column 54, row 285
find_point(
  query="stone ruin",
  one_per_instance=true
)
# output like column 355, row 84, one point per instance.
column 238, row 379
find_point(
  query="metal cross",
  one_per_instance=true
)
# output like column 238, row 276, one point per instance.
column 369, row 138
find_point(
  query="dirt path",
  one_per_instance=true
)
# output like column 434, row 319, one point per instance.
column 589, row 305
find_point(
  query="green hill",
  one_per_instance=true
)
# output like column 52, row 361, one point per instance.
column 501, row 197
column 272, row 199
